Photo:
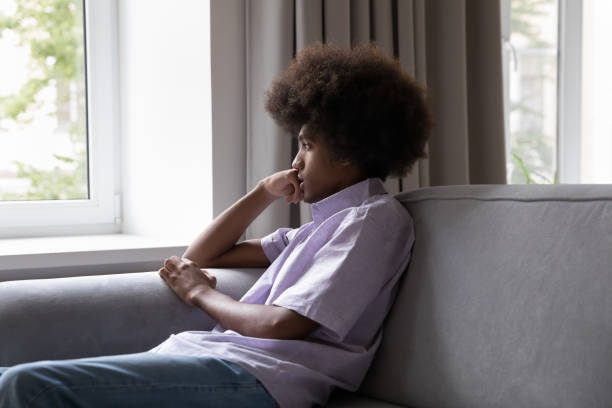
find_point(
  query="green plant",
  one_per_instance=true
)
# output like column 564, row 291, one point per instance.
column 521, row 21
column 528, row 174
column 532, row 141
column 53, row 32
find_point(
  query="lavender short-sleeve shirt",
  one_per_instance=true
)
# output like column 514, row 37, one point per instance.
column 339, row 270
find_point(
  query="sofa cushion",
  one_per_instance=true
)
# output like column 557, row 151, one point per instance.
column 507, row 300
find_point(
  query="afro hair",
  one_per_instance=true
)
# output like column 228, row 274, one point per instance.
column 364, row 107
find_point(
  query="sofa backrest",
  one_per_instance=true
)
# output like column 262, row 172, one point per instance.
column 507, row 301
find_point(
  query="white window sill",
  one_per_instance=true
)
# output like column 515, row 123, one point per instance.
column 52, row 257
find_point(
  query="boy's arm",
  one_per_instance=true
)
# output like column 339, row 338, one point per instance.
column 246, row 254
column 265, row 321
column 196, row 287
column 216, row 245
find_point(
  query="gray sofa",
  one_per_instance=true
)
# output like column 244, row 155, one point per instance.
column 507, row 302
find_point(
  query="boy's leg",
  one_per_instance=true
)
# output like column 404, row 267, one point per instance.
column 130, row 380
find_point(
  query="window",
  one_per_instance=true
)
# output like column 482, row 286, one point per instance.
column 557, row 90
column 58, row 131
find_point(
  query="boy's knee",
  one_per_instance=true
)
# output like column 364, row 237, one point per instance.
column 22, row 373
column 21, row 383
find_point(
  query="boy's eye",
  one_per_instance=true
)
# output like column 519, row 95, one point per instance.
column 305, row 146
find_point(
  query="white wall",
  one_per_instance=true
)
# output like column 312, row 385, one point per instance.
column 164, row 69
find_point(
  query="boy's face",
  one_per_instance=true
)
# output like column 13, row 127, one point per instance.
column 321, row 176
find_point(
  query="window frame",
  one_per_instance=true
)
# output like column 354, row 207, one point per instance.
column 101, row 212
column 569, row 91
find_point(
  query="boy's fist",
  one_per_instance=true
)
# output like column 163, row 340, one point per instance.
column 284, row 184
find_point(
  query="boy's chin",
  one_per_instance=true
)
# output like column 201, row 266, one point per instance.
column 310, row 199
column 307, row 198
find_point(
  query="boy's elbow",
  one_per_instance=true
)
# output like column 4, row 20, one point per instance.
column 276, row 322
column 289, row 325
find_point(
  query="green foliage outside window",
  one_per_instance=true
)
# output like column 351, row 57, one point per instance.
column 53, row 32
column 531, row 150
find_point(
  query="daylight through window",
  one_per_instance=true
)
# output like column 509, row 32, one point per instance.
column 43, row 112
column 557, row 82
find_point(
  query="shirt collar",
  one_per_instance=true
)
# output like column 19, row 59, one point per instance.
column 351, row 196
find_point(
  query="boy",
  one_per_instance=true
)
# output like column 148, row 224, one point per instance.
column 313, row 320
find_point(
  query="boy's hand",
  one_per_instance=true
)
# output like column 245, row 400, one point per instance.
column 186, row 278
column 284, row 184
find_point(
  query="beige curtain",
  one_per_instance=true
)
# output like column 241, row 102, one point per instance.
column 452, row 46
column 464, row 78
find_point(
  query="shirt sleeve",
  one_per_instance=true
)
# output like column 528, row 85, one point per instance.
column 346, row 274
column 274, row 243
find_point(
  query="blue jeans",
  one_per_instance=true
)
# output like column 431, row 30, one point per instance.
column 132, row 380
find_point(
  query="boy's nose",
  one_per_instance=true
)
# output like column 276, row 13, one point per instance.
column 297, row 162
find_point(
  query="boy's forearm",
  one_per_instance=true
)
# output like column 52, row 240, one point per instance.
column 226, row 229
column 252, row 320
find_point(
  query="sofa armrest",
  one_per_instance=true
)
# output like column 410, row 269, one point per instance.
column 99, row 315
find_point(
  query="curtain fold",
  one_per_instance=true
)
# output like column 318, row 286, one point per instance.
column 451, row 46
column 485, row 97
column 464, row 80
column 269, row 49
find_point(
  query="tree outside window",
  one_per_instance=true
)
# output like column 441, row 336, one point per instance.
column 43, row 134
column 533, row 92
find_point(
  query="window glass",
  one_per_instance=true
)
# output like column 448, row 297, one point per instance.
column 43, row 112
column 532, row 144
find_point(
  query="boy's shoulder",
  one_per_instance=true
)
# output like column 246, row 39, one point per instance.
column 385, row 210
column 385, row 204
